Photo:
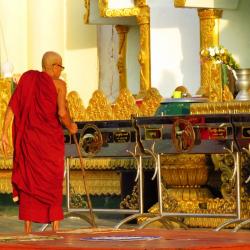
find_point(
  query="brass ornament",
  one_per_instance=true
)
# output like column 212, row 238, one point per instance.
column 183, row 135
column 90, row 140
column 184, row 175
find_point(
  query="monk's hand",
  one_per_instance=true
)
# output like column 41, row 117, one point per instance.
column 5, row 144
column 73, row 128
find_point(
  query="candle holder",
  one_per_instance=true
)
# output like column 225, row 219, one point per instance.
column 243, row 84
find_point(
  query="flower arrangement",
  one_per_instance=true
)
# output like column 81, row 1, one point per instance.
column 220, row 55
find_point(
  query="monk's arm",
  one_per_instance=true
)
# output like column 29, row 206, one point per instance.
column 6, row 124
column 63, row 111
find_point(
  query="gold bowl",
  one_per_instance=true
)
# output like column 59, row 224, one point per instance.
column 184, row 170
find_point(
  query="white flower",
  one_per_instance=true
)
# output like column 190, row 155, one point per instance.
column 222, row 51
column 218, row 61
column 211, row 51
column 216, row 50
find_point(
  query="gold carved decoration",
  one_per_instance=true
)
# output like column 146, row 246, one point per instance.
column 5, row 94
column 5, row 181
column 99, row 107
column 182, row 170
column 126, row 12
column 103, row 6
column 143, row 20
column 209, row 27
column 125, row 106
column 229, row 107
column 122, row 31
column 75, row 106
column 98, row 182
column 140, row 3
column 87, row 11
column 109, row 163
column 211, row 86
column 211, row 83
column 131, row 201
column 179, row 3
column 225, row 163
column 151, row 102
column 105, row 11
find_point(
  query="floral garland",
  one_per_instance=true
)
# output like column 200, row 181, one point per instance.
column 220, row 55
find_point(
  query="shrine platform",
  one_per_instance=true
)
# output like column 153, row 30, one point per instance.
column 192, row 239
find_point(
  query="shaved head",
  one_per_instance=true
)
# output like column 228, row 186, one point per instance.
column 50, row 58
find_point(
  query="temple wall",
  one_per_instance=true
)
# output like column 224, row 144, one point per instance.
column 29, row 29
column 80, row 56
column 235, row 32
column 108, row 55
column 174, row 47
column 13, row 33
column 133, row 67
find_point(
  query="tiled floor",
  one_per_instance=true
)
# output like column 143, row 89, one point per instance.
column 9, row 221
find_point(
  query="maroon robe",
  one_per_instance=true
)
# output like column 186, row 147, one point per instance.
column 38, row 163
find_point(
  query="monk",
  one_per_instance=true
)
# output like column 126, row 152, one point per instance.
column 38, row 106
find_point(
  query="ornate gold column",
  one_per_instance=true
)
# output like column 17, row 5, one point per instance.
column 122, row 31
column 87, row 11
column 211, row 86
column 143, row 19
column 5, row 94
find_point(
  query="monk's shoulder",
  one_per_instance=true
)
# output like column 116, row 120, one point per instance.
column 60, row 84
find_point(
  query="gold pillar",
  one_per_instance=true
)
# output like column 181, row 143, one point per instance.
column 87, row 11
column 121, row 62
column 211, row 85
column 5, row 94
column 143, row 19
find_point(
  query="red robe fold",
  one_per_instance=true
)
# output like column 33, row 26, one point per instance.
column 38, row 164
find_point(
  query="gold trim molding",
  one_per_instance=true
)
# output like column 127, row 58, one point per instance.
column 105, row 11
column 122, row 31
column 87, row 11
column 179, row 3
